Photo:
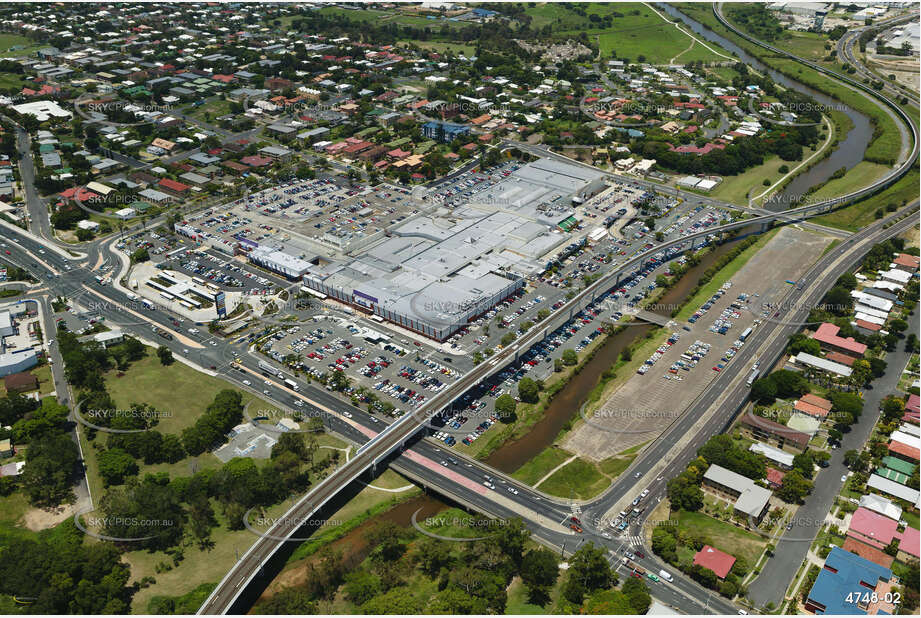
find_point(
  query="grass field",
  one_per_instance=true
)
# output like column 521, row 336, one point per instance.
column 857, row 177
column 809, row 45
column 636, row 31
column 725, row 273
column 178, row 391
column 12, row 81
column 735, row 188
column 8, row 41
column 540, row 465
column 723, row 536
column 578, row 479
column 861, row 214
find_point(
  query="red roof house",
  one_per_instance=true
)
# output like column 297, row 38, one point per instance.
column 867, row 552
column 872, row 528
column 904, row 451
column 775, row 477
column 717, row 561
column 827, row 335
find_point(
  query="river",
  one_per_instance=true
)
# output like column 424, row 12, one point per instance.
column 564, row 407
column 848, row 152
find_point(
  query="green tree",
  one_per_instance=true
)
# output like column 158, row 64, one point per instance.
column 570, row 357
column 165, row 355
column 115, row 465
column 505, row 408
column 528, row 390
column 539, row 572
column 589, row 571
column 794, row 487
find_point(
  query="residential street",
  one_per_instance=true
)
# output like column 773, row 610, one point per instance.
column 791, row 549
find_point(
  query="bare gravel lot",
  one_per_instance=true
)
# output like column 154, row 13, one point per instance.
column 643, row 407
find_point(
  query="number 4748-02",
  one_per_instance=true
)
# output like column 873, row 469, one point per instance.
column 865, row 598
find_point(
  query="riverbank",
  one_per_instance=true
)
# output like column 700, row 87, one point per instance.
column 885, row 144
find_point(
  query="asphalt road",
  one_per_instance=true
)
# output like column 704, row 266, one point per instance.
column 794, row 543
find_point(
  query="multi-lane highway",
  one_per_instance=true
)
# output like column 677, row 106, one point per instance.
column 464, row 482
column 845, row 48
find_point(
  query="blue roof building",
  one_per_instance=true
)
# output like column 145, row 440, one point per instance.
column 845, row 584
column 444, row 131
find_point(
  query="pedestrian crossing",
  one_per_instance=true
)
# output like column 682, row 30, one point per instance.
column 634, row 540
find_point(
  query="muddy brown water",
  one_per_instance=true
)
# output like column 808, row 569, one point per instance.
column 565, row 406
column 514, row 454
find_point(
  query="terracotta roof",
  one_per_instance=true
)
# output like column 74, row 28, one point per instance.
column 868, row 325
column 774, row 476
column 905, row 450
column 903, row 259
column 828, row 333
column 717, row 561
column 844, row 359
column 810, row 409
column 816, row 401
column 867, row 552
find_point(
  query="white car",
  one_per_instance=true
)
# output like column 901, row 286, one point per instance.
column 247, row 382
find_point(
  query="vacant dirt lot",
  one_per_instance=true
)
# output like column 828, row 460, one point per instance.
column 645, row 405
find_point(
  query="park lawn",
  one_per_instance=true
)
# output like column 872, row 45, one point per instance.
column 808, row 45
column 538, row 467
column 199, row 566
column 213, row 109
column 698, row 52
column 8, row 41
column 735, row 188
column 391, row 480
column 861, row 214
column 615, row 466
column 45, row 381
column 723, row 72
column 517, row 604
column 178, row 391
column 578, row 479
column 637, row 31
column 721, row 535
column 913, row 519
column 12, row 509
column 725, row 274
column 12, row 81
column 360, row 15
column 653, row 38
column 442, row 47
column 855, row 178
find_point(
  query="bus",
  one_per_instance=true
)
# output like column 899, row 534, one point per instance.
column 752, row 377
column 291, row 384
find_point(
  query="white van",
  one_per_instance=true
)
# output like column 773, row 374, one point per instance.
column 665, row 575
